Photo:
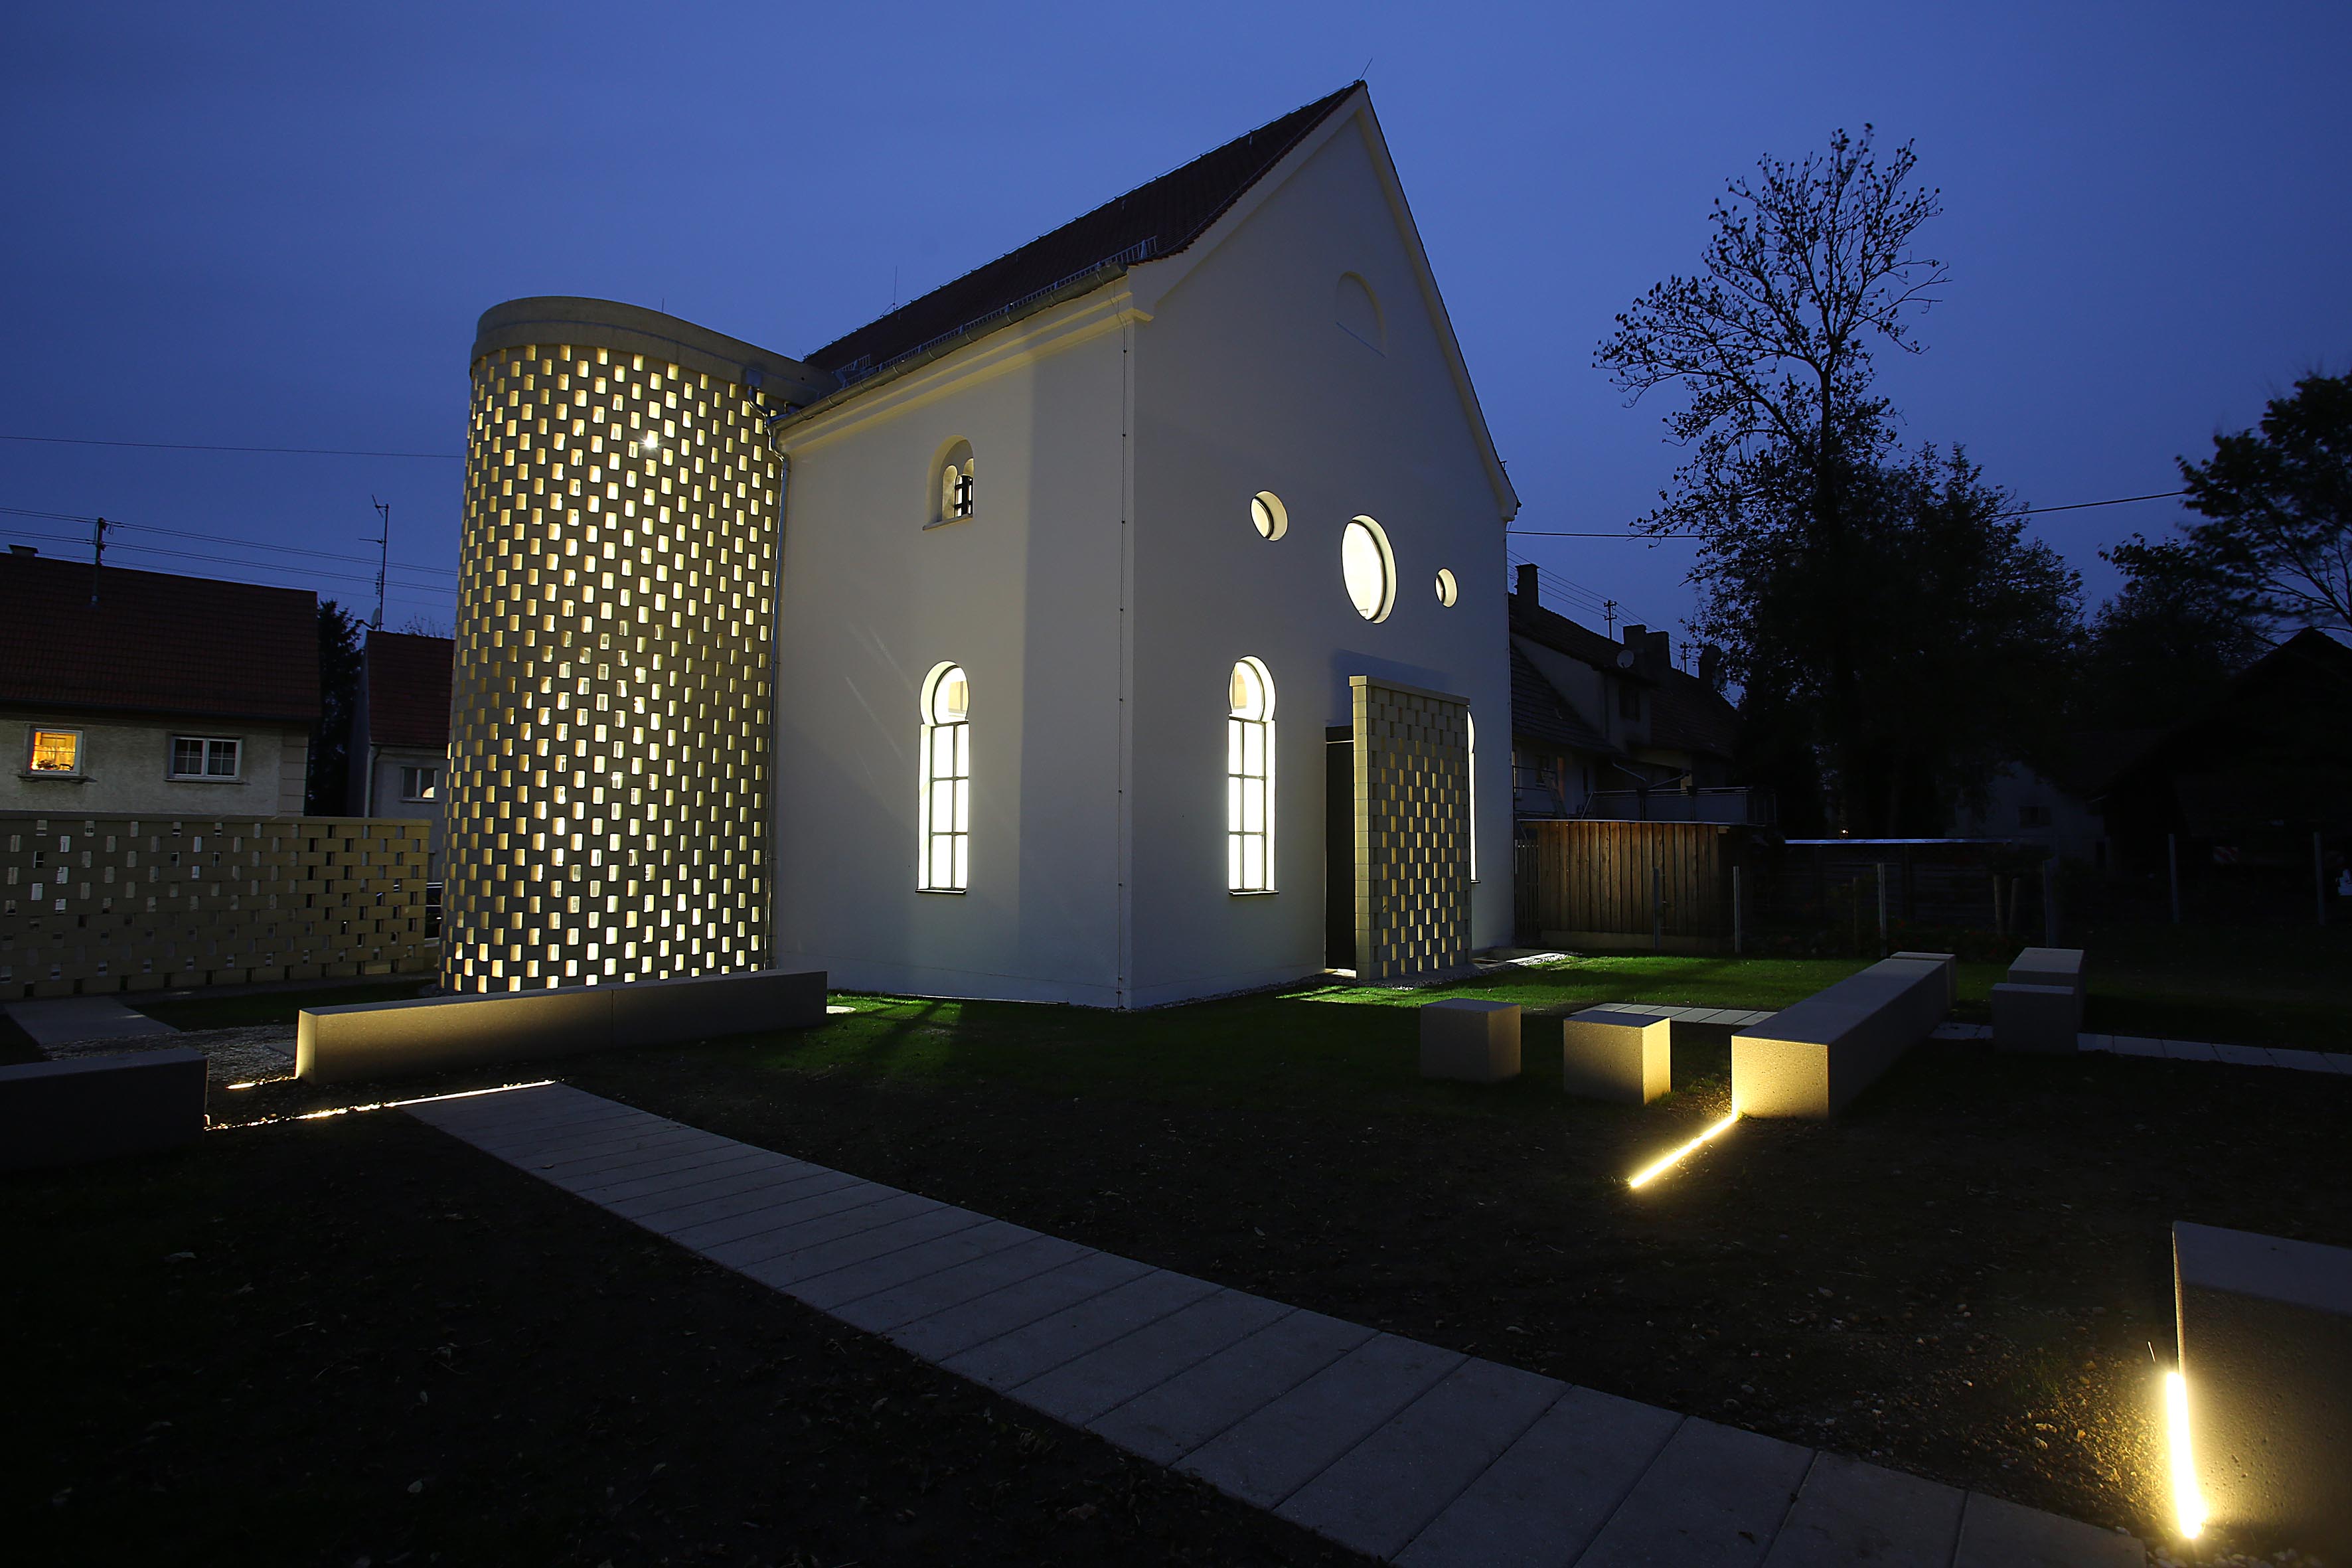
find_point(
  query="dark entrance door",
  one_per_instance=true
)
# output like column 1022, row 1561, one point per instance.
column 1339, row 851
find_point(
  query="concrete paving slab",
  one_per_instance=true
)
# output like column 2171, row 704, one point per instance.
column 2137, row 1046
column 2340, row 1061
column 2188, row 1050
column 790, row 1208
column 850, row 1220
column 2244, row 1055
column 504, row 1133
column 652, row 1161
column 1714, row 1498
column 1273, row 1452
column 1544, row 1499
column 1996, row 1534
column 956, row 1329
column 786, row 1271
column 743, row 1191
column 1379, row 1494
column 1851, row 1512
column 918, row 1299
column 2089, row 1042
column 542, row 1147
column 584, row 1149
column 1082, row 1389
column 675, row 1189
column 1177, row 1416
column 2302, row 1061
column 63, row 1020
column 854, row 1281
column 1012, row 1359
column 516, row 1111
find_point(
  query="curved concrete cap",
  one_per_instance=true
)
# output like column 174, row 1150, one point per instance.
column 632, row 329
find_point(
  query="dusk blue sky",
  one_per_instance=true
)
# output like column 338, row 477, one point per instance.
column 274, row 226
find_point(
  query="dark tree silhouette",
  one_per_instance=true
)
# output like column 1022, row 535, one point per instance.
column 338, row 697
column 2277, row 504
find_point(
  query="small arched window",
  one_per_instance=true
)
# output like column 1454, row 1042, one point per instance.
column 945, row 830
column 1268, row 516
column 954, row 485
column 1358, row 312
column 1249, row 779
column 1369, row 568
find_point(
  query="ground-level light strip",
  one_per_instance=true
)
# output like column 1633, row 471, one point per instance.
column 376, row 1105
column 2188, row 1500
column 1667, row 1161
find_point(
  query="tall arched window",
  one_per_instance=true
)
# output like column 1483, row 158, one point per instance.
column 947, row 782
column 1249, row 779
column 1470, row 726
column 953, row 485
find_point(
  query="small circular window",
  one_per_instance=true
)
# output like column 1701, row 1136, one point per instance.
column 1267, row 516
column 1369, row 568
column 1446, row 591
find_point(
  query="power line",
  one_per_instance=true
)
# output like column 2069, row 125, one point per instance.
column 206, row 447
column 290, row 570
column 224, row 539
column 2078, row 506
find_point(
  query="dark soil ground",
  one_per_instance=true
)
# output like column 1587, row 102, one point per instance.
column 358, row 1341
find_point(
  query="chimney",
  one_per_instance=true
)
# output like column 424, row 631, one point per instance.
column 1527, row 585
column 23, row 550
column 1710, row 666
column 1634, row 632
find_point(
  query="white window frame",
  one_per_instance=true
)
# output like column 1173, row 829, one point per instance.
column 1249, row 787
column 205, row 775
column 410, row 771
column 33, row 734
column 943, row 845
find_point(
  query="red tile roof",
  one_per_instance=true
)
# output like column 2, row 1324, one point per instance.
column 1170, row 213
column 408, row 690
column 155, row 643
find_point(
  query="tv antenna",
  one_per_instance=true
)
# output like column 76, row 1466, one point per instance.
column 384, row 559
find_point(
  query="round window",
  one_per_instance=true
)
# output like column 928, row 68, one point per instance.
column 1446, row 592
column 1369, row 568
column 1266, row 515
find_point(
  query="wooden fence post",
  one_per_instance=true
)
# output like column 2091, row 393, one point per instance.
column 1735, row 910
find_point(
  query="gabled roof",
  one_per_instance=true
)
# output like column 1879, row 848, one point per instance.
column 154, row 643
column 408, row 690
column 1687, row 716
column 1555, row 630
column 1156, row 219
column 1540, row 712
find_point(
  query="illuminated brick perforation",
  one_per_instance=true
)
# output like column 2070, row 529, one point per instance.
column 90, row 905
column 608, row 774
column 1412, row 833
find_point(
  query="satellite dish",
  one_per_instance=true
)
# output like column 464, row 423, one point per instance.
column 1624, row 659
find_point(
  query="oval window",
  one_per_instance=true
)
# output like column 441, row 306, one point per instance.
column 1369, row 568
column 1446, row 592
column 1267, row 516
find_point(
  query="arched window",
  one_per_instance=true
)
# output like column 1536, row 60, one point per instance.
column 954, row 487
column 1369, row 568
column 1471, row 737
column 947, row 782
column 1267, row 515
column 1249, row 779
column 1358, row 312
column 1447, row 589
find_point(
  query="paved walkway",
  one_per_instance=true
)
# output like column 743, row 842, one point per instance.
column 2183, row 1050
column 1400, row 1449
column 64, row 1020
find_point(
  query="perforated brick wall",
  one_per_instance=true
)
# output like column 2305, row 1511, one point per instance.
column 90, row 905
column 608, row 771
column 1412, row 832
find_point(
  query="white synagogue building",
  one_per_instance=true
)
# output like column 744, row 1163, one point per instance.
column 1121, row 623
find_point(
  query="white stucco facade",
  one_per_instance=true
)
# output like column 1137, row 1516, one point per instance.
column 1105, row 586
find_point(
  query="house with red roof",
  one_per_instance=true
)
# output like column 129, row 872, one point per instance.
column 146, row 694
column 400, row 731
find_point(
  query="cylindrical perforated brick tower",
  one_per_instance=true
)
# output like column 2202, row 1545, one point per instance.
column 609, row 772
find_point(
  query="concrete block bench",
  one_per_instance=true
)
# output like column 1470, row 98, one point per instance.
column 370, row 1040
column 2050, row 966
column 2266, row 1328
column 1618, row 1054
column 1466, row 1039
column 1951, row 964
column 96, row 1107
column 2035, row 1018
column 1812, row 1059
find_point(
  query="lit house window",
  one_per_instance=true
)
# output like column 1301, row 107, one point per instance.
column 205, row 757
column 947, row 782
column 955, row 491
column 420, row 784
column 1268, row 516
column 1249, row 779
column 55, row 751
column 1369, row 568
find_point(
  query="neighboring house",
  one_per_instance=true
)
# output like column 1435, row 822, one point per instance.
column 1611, row 731
column 2058, row 807
column 399, row 731
column 998, row 647
column 142, row 694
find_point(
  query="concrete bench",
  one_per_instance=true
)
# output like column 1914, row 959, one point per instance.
column 370, row 1040
column 1951, row 972
column 1618, row 1054
column 1467, row 1038
column 2266, row 1328
column 1812, row 1059
column 2035, row 1018
column 2050, row 966
column 97, row 1107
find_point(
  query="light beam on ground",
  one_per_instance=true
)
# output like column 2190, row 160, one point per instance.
column 2188, row 1502
column 1660, row 1166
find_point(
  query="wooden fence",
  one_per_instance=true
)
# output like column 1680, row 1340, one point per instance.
column 1662, row 886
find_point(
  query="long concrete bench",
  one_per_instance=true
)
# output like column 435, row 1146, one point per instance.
column 96, row 1107
column 1812, row 1059
column 2266, row 1326
column 370, row 1040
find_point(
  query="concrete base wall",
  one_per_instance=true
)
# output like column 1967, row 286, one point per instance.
column 2265, row 1330
column 1812, row 1058
column 390, row 1039
column 96, row 1107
